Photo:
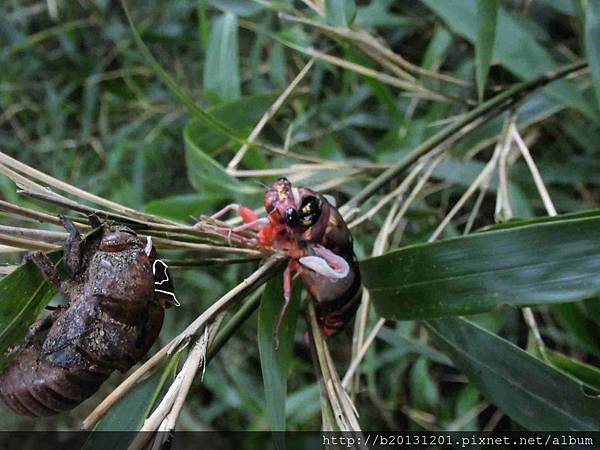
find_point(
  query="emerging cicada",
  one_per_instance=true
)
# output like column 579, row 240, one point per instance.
column 309, row 229
column 116, row 294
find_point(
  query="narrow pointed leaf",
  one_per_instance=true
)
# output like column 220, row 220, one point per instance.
column 206, row 174
column 221, row 69
column 592, row 42
column 531, row 392
column 198, row 112
column 487, row 11
column 340, row 12
column 537, row 263
column 23, row 296
column 276, row 363
column 516, row 48
column 129, row 413
column 587, row 374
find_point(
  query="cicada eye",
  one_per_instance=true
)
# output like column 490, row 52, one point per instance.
column 310, row 211
column 291, row 217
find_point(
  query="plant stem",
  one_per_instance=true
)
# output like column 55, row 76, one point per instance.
column 494, row 106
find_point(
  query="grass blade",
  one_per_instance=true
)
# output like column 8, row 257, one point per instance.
column 519, row 384
column 487, row 11
column 131, row 411
column 23, row 296
column 276, row 363
column 592, row 42
column 221, row 69
column 183, row 97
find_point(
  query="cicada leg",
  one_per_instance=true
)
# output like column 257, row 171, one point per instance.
column 288, row 274
column 251, row 223
column 72, row 253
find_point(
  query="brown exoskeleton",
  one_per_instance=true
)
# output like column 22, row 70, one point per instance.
column 306, row 225
column 116, row 293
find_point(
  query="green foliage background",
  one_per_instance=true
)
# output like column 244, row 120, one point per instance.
column 80, row 99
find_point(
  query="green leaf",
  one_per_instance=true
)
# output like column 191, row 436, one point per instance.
column 532, row 393
column 276, row 363
column 515, row 48
column 182, row 206
column 173, row 86
column 340, row 12
column 587, row 374
column 221, row 69
column 487, row 11
column 424, row 393
column 242, row 8
column 592, row 42
column 23, row 295
column 571, row 317
column 205, row 174
column 130, row 412
column 541, row 263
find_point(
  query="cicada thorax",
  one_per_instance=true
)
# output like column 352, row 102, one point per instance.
column 337, row 299
column 314, row 228
column 112, row 319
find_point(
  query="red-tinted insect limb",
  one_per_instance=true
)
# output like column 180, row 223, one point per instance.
column 288, row 273
column 303, row 224
column 220, row 213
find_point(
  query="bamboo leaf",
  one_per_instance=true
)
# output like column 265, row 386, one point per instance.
column 487, row 11
column 184, row 98
column 532, row 393
column 515, row 48
column 587, row 374
column 221, row 69
column 206, row 174
column 541, row 263
column 572, row 317
column 276, row 363
column 592, row 42
column 131, row 411
column 340, row 12
column 23, row 295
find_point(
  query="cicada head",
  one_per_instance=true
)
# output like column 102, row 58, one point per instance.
column 297, row 209
column 116, row 238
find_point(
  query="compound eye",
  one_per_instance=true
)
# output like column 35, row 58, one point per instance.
column 291, row 217
column 310, row 211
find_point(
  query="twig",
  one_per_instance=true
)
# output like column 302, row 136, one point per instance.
column 487, row 110
column 38, row 235
column 20, row 243
column 375, row 47
column 416, row 190
column 32, row 214
column 503, row 210
column 361, row 353
column 338, row 399
column 383, row 77
column 535, row 173
column 398, row 192
column 477, row 206
column 483, row 175
column 268, row 114
column 171, row 404
column 66, row 187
